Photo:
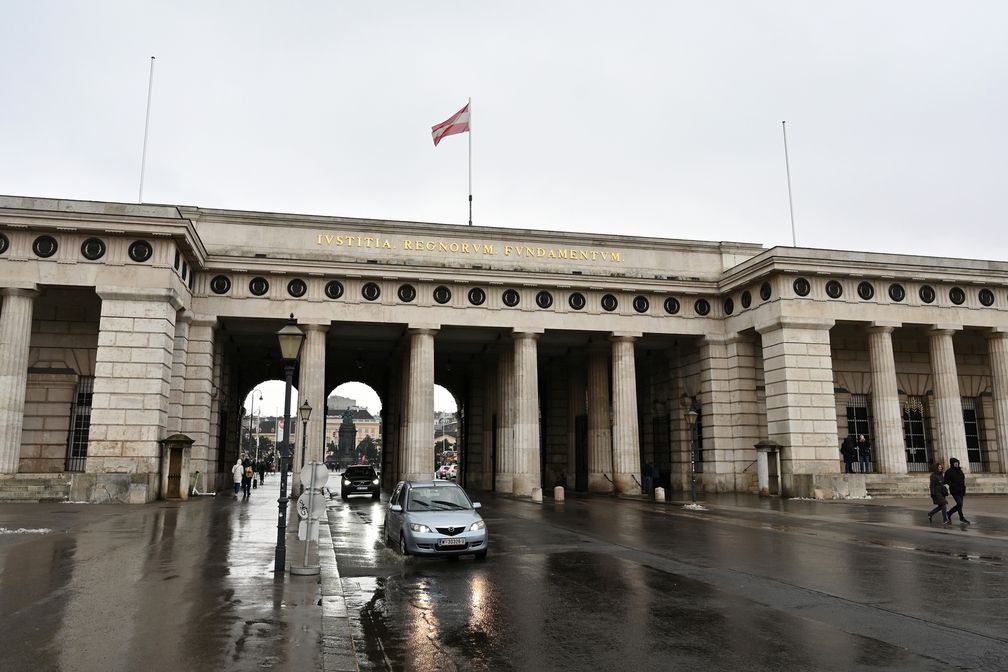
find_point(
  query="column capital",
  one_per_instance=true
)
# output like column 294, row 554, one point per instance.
column 140, row 294
column 997, row 333
column 944, row 329
column 786, row 322
column 29, row 290
column 527, row 333
column 324, row 328
column 423, row 329
column 884, row 326
column 621, row 337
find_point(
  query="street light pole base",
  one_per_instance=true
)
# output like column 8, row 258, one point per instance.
column 304, row 571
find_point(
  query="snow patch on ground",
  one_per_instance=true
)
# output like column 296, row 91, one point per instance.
column 695, row 507
column 24, row 530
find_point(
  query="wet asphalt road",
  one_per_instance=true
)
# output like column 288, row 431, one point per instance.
column 603, row 584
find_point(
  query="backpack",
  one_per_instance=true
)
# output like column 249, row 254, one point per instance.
column 248, row 472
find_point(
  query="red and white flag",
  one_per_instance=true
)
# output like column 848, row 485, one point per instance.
column 457, row 123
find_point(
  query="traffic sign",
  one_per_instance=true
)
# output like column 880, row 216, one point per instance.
column 303, row 530
column 321, row 474
column 318, row 504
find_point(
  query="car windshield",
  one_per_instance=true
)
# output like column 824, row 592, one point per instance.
column 358, row 472
column 438, row 498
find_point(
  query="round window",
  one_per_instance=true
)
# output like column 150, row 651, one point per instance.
column 93, row 249
column 297, row 288
column 834, row 289
column 746, row 299
column 641, row 304
column 986, row 297
column 702, row 306
column 4, row 243
column 442, row 295
column 576, row 301
column 927, row 294
column 671, row 305
column 510, row 298
column 609, row 303
column 370, row 291
column 406, row 293
column 45, row 246
column 334, row 289
column 140, row 251
column 802, row 287
column 544, row 299
column 221, row 284
column 896, row 292
column 865, row 290
column 957, row 296
column 477, row 296
column 729, row 306
column 259, row 286
column 765, row 291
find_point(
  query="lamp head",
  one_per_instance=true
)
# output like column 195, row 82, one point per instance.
column 291, row 339
column 691, row 416
column 305, row 411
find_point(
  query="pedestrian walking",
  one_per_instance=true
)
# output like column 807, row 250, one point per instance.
column 237, row 472
column 247, row 474
column 938, row 493
column 262, row 471
column 848, row 451
column 648, row 478
column 864, row 454
column 955, row 480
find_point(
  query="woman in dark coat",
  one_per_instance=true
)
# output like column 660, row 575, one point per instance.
column 955, row 480
column 938, row 493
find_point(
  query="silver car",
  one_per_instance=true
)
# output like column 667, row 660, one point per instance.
column 435, row 518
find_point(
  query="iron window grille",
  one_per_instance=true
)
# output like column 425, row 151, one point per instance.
column 916, row 434
column 973, row 420
column 859, row 421
column 80, row 424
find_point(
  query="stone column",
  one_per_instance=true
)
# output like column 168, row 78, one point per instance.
column 577, row 404
column 418, row 461
column 15, row 337
column 746, row 418
column 801, row 407
column 716, row 412
column 490, row 406
column 997, row 347
column 197, row 401
column 129, row 413
column 504, row 481
column 888, row 445
column 178, row 377
column 600, row 448
column 626, row 431
column 951, row 434
column 311, row 386
column 527, row 446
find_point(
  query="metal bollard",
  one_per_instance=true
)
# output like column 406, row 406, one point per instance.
column 558, row 493
column 659, row 494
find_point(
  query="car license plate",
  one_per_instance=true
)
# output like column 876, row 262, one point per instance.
column 454, row 541
column 362, row 487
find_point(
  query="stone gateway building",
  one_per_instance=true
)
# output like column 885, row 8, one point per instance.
column 130, row 334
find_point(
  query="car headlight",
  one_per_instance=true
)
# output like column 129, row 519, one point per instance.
column 346, row 482
column 374, row 482
column 477, row 526
column 417, row 527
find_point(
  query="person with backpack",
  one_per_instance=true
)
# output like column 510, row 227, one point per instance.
column 237, row 473
column 247, row 474
column 955, row 479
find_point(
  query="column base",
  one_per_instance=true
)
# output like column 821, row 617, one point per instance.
column 626, row 484
column 523, row 484
column 504, row 483
column 599, row 484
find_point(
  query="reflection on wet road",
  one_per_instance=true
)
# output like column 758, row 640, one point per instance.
column 603, row 584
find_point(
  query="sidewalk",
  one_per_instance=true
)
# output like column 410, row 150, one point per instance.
column 163, row 586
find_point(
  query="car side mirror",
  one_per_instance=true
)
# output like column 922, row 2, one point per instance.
column 477, row 505
column 395, row 508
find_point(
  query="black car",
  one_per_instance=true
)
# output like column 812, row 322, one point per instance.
column 360, row 480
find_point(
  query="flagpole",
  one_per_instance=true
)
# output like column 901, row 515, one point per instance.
column 143, row 157
column 469, row 105
column 787, row 168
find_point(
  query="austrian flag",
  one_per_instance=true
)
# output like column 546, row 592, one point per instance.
column 457, row 123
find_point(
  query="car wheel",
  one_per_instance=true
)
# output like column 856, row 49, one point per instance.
column 402, row 545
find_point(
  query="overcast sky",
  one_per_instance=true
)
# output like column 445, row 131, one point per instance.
column 647, row 118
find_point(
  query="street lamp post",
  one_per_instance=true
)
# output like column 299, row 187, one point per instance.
column 305, row 413
column 291, row 339
column 252, row 419
column 691, row 417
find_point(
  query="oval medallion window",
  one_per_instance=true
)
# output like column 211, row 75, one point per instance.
column 986, row 297
column 865, row 290
column 4, row 243
column 671, row 305
column 544, row 300
column 765, row 291
column 370, row 291
column 45, row 246
column 609, row 303
column 140, row 251
column 297, row 288
column 510, row 298
column 746, row 299
column 577, row 301
column 221, row 284
column 927, row 294
column 834, row 289
column 406, row 293
column 93, row 249
column 957, row 296
column 896, row 292
column 802, row 287
column 641, row 304
column 258, row 286
column 477, row 296
column 729, row 306
column 442, row 295
column 702, row 306
column 334, row 289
